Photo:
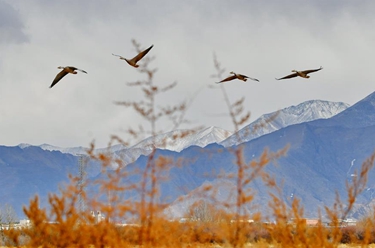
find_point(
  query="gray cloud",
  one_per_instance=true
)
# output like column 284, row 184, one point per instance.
column 11, row 25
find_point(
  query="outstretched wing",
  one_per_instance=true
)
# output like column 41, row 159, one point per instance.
column 310, row 71
column 81, row 70
column 141, row 54
column 289, row 76
column 58, row 77
column 254, row 79
column 227, row 79
column 118, row 56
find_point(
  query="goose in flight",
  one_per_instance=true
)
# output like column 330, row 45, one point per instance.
column 300, row 73
column 65, row 70
column 237, row 76
column 133, row 61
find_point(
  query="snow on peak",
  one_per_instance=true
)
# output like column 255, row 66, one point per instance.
column 174, row 141
column 180, row 139
column 71, row 150
column 208, row 136
column 23, row 145
column 304, row 112
column 314, row 109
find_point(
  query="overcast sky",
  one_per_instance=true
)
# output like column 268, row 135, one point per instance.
column 261, row 39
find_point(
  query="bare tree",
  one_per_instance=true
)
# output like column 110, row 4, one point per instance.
column 203, row 211
column 152, row 113
column 8, row 218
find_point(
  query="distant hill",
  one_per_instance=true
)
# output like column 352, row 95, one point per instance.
column 28, row 171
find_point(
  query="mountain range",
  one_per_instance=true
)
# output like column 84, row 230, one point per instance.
column 178, row 140
column 303, row 112
column 322, row 154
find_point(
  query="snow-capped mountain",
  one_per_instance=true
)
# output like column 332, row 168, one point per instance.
column 174, row 141
column 177, row 141
column 304, row 112
column 180, row 139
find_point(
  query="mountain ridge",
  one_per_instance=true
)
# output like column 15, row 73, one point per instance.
column 303, row 112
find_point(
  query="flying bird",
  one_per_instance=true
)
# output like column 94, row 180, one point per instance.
column 65, row 70
column 133, row 61
column 237, row 76
column 300, row 73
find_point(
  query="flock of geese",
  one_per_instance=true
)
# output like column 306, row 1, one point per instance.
column 133, row 62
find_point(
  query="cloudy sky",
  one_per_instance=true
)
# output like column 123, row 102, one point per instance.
column 261, row 39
